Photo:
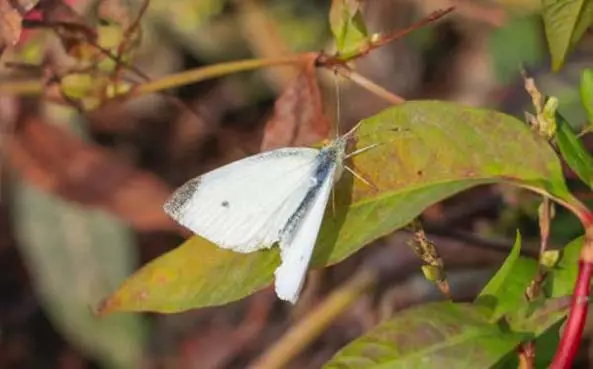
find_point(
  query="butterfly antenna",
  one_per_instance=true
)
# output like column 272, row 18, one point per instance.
column 338, row 103
column 337, row 131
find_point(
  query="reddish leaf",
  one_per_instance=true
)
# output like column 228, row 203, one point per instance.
column 298, row 113
column 59, row 162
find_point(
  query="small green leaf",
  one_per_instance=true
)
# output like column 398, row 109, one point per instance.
column 506, row 290
column 429, row 151
column 433, row 273
column 436, row 335
column 573, row 151
column 549, row 258
column 542, row 317
column 348, row 27
column 565, row 22
column 561, row 279
column 587, row 93
column 548, row 124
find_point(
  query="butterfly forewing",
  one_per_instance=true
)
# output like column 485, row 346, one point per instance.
column 242, row 206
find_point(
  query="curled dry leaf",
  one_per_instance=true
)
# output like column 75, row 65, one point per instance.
column 55, row 160
column 11, row 16
column 298, row 118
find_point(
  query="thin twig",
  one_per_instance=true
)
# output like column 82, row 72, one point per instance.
column 213, row 71
column 126, row 37
column 366, row 83
column 380, row 40
column 35, row 87
column 383, row 40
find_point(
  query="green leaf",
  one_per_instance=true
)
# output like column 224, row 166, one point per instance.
column 587, row 93
column 436, row 335
column 429, row 151
column 565, row 22
column 562, row 278
column 574, row 152
column 348, row 27
column 75, row 256
column 541, row 315
column 546, row 345
column 506, row 290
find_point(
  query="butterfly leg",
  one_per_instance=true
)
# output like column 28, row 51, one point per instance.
column 360, row 177
column 361, row 150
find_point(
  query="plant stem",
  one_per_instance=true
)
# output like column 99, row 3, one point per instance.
column 384, row 39
column 35, row 87
column 213, row 71
column 527, row 349
column 573, row 330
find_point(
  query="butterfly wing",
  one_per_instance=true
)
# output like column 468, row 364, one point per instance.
column 297, row 240
column 243, row 206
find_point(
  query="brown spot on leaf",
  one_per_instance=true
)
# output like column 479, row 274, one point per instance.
column 143, row 295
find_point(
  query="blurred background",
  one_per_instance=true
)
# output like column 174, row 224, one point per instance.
column 80, row 212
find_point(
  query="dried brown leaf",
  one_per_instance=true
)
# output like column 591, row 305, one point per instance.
column 59, row 162
column 298, row 113
column 11, row 16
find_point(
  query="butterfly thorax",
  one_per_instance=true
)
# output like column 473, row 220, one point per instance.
column 328, row 164
column 334, row 153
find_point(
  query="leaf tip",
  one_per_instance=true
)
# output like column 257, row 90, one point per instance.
column 107, row 306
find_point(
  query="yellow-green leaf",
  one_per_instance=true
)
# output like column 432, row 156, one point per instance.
column 565, row 22
column 428, row 151
column 348, row 27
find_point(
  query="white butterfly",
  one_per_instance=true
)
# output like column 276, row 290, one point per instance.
column 275, row 196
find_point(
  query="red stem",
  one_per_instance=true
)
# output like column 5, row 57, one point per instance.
column 573, row 331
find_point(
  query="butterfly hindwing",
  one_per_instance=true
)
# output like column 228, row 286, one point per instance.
column 298, row 239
